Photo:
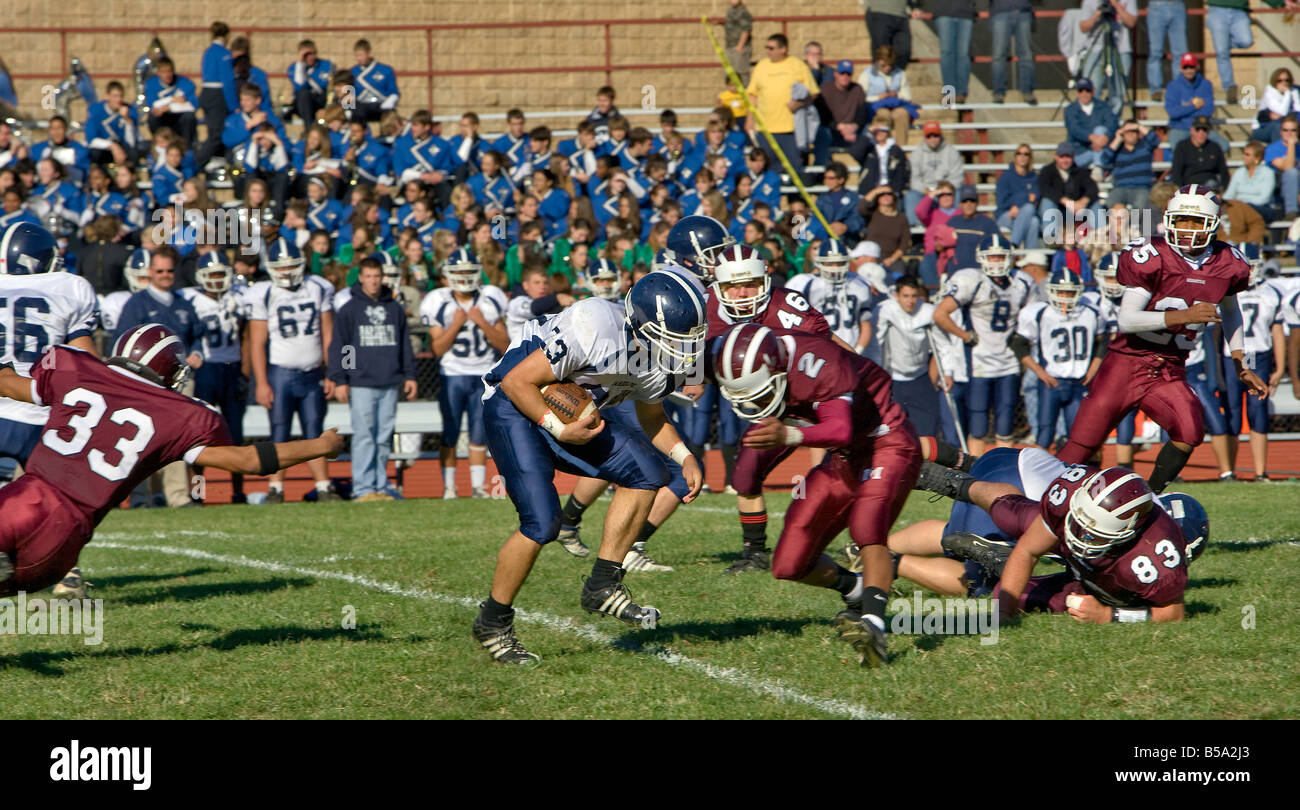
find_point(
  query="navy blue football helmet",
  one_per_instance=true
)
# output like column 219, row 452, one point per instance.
column 214, row 273
column 995, row 256
column 663, row 258
column 391, row 269
column 832, row 261
column 26, row 248
column 667, row 313
column 1064, row 289
column 1190, row 516
column 697, row 243
column 1107, row 273
column 602, row 279
column 284, row 263
column 462, row 271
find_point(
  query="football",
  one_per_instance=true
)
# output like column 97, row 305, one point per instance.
column 569, row 401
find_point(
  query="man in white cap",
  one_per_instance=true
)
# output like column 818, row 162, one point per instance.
column 1034, row 267
column 864, row 260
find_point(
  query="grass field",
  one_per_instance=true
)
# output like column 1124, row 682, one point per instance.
column 239, row 611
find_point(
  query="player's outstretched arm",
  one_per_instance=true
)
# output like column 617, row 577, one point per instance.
column 14, row 385
column 654, row 421
column 264, row 458
column 1034, row 543
column 1233, row 329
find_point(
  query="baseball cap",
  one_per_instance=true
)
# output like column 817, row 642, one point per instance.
column 1188, row 60
column 1201, row 122
column 1038, row 257
column 865, row 249
column 931, row 128
column 1084, row 84
column 1101, row 131
column 968, row 192
column 845, row 66
column 1065, row 148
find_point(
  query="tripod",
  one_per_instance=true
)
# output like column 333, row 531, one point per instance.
column 1099, row 48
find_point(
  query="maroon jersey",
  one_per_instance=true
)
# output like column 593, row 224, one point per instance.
column 109, row 430
column 1176, row 283
column 785, row 310
column 1150, row 571
column 821, row 370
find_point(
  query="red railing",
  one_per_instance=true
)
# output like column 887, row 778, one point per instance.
column 607, row 68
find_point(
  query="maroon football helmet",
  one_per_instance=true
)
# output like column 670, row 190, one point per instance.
column 152, row 351
column 751, row 363
column 1107, row 510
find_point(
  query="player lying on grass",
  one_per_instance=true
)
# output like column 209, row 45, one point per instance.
column 1127, row 559
column 965, row 555
column 111, row 426
column 805, row 390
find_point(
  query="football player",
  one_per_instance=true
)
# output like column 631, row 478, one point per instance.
column 802, row 389
column 843, row 298
column 696, row 243
column 40, row 307
column 603, row 280
column 467, row 332
column 965, row 555
column 640, row 352
column 991, row 301
column 1175, row 284
column 1126, row 558
column 536, row 302
column 110, row 427
column 1264, row 349
column 1107, row 299
column 136, row 275
column 293, row 315
column 222, row 380
column 1062, row 342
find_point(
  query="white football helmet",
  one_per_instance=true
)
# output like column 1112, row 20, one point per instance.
column 1108, row 275
column 602, row 279
column 1107, row 510
column 1196, row 202
column 462, row 271
column 741, row 265
column 136, row 271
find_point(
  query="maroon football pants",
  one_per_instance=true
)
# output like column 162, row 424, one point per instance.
column 41, row 532
column 866, row 496
column 754, row 466
column 1124, row 382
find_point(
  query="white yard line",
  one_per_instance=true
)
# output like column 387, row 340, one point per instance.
column 727, row 675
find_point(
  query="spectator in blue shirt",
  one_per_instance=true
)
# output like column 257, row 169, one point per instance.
column 1284, row 156
column 112, row 131
column 219, row 95
column 310, row 78
column 1129, row 156
column 840, row 207
column 375, row 84
column 172, row 101
column 1017, row 200
column 1085, row 114
column 1188, row 97
column 158, row 304
column 241, row 64
column 970, row 227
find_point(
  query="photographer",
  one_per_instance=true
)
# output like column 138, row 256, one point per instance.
column 1120, row 17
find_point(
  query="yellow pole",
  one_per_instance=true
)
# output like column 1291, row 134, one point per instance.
column 762, row 126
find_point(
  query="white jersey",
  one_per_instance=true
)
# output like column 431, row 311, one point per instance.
column 518, row 313
column 471, row 354
column 993, row 310
column 293, row 320
column 844, row 307
column 1291, row 311
column 1062, row 344
column 1037, row 289
column 1038, row 469
column 342, row 297
column 223, row 319
column 590, row 344
column 110, row 309
column 1261, row 307
column 904, row 339
column 38, row 311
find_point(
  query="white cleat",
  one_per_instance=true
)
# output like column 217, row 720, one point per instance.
column 449, row 495
column 71, row 586
column 638, row 560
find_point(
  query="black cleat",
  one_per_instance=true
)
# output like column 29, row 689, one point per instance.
column 752, row 559
column 991, row 555
column 329, row 494
column 500, row 642
column 868, row 640
column 941, row 480
column 274, row 496
column 614, row 600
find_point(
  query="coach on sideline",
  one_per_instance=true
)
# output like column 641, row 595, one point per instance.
column 158, row 304
column 370, row 357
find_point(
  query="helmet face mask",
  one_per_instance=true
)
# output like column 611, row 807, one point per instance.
column 602, row 280
column 742, row 285
column 1108, row 275
column 832, row 262
column 137, row 278
column 1192, row 219
column 667, row 316
column 1095, row 525
column 1064, row 290
column 462, row 272
column 751, row 365
column 286, row 276
column 995, row 256
column 215, row 278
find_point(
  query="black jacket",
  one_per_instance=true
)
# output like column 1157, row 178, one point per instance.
column 101, row 264
column 1077, row 184
column 898, row 174
column 1203, row 164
